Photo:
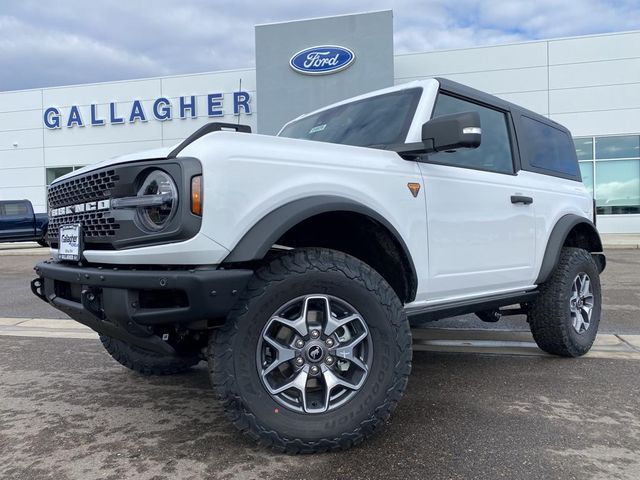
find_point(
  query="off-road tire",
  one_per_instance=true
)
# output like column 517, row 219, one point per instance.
column 144, row 361
column 549, row 315
column 232, row 353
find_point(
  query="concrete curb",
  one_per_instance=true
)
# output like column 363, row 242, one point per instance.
column 493, row 342
column 22, row 248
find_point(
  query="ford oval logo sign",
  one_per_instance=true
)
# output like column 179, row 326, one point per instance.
column 322, row 60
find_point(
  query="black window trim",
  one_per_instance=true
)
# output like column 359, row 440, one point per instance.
column 526, row 165
column 511, row 132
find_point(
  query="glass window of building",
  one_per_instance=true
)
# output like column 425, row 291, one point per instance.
column 618, row 147
column 586, row 169
column 57, row 172
column 618, row 186
column 584, row 148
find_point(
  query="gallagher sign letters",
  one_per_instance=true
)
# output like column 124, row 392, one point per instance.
column 162, row 109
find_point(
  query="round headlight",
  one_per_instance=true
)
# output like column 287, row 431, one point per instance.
column 161, row 195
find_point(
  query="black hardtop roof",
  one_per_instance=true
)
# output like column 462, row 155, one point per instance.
column 465, row 91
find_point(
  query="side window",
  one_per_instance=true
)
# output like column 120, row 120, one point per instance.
column 15, row 209
column 494, row 153
column 548, row 148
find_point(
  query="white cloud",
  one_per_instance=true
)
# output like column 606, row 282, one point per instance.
column 74, row 41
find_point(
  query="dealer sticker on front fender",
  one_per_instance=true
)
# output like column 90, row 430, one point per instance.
column 70, row 246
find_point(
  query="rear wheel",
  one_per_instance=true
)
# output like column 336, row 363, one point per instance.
column 144, row 361
column 316, row 355
column 564, row 318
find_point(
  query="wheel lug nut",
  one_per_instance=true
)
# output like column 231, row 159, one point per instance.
column 329, row 360
column 299, row 361
column 315, row 334
column 299, row 343
column 329, row 342
column 314, row 370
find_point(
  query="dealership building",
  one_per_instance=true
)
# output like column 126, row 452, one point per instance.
column 590, row 84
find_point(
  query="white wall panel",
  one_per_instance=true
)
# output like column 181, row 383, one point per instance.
column 595, row 98
column 102, row 93
column 21, row 177
column 619, row 223
column 536, row 101
column 22, row 100
column 88, row 154
column 471, row 60
column 36, row 194
column 221, row 82
column 611, row 122
column 594, row 73
column 498, row 81
column 21, row 158
column 20, row 120
column 589, row 49
column 24, row 139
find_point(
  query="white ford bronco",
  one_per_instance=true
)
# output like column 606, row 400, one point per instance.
column 296, row 264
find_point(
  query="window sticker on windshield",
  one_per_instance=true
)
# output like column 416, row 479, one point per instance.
column 318, row 128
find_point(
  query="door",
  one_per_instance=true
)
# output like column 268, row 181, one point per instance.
column 480, row 218
column 16, row 221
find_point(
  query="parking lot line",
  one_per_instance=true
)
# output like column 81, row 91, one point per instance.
column 494, row 342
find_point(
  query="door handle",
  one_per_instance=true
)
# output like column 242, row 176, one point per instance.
column 521, row 199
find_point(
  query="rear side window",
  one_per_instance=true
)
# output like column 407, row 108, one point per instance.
column 549, row 148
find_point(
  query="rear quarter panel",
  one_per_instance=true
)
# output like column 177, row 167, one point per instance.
column 554, row 198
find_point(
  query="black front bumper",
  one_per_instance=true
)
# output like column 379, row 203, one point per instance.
column 134, row 305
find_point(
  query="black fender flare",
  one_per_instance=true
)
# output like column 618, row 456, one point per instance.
column 557, row 239
column 260, row 238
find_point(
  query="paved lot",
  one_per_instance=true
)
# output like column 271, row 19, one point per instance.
column 68, row 411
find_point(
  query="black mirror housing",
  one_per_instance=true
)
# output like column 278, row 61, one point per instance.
column 452, row 132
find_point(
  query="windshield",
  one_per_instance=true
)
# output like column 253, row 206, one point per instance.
column 380, row 120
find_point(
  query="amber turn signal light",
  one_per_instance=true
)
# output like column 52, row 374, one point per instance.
column 196, row 195
column 414, row 188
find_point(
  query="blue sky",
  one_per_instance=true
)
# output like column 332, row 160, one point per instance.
column 77, row 41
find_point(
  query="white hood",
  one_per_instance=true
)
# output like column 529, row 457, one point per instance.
column 155, row 153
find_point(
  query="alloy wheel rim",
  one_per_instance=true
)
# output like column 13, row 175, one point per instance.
column 314, row 354
column 581, row 303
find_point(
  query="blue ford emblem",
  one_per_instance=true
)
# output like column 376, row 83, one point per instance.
column 322, row 60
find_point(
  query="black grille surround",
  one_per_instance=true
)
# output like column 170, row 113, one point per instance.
column 111, row 229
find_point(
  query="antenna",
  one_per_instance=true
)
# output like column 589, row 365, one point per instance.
column 239, row 90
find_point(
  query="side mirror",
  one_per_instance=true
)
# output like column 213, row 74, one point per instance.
column 452, row 132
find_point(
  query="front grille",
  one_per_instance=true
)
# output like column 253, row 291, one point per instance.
column 97, row 227
column 86, row 188
column 94, row 225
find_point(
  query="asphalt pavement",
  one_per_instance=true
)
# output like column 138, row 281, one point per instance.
column 68, row 411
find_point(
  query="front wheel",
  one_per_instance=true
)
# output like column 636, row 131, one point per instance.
column 315, row 356
column 565, row 316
